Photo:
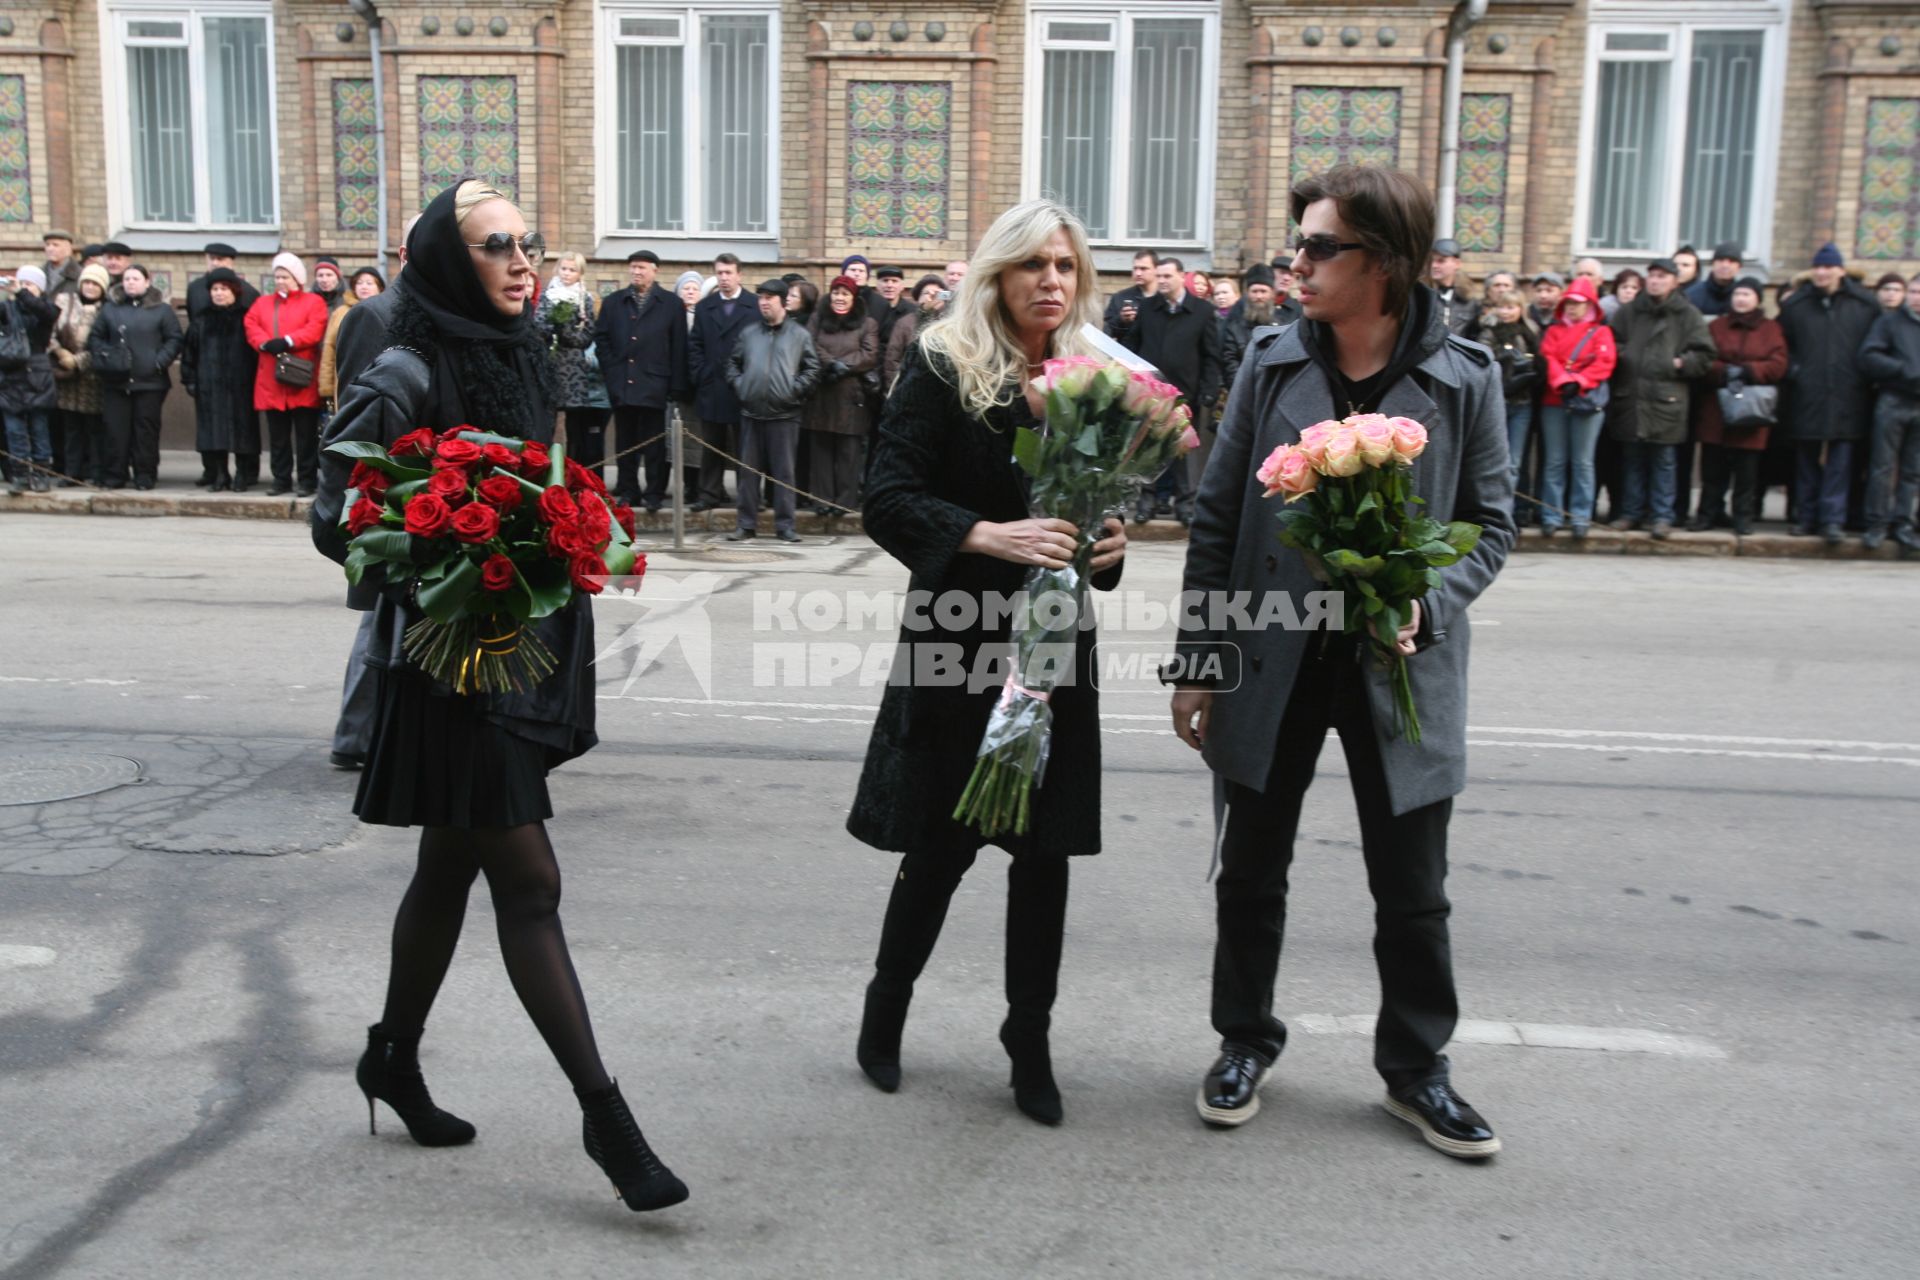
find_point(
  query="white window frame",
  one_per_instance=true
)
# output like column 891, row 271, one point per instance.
column 1123, row 16
column 1680, row 23
column 114, row 17
column 606, row 130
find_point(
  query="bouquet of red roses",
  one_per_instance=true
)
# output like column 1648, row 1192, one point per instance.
column 489, row 533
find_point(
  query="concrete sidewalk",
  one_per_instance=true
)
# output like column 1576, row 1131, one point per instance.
column 177, row 496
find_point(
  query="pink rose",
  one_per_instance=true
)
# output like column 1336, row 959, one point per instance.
column 1296, row 477
column 1071, row 376
column 1313, row 441
column 1373, row 433
column 1409, row 440
column 1271, row 468
column 1148, row 397
column 1343, row 455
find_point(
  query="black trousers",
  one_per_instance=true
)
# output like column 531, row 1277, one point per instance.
column 587, row 437
column 84, row 435
column 712, row 486
column 835, row 467
column 631, row 425
column 1406, row 859
column 132, row 434
column 1718, row 465
column 293, row 447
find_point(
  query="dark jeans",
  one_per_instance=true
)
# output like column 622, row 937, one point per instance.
column 834, row 468
column 1406, row 859
column 631, row 425
column 1647, row 481
column 712, row 486
column 587, row 437
column 30, row 437
column 133, row 434
column 293, row 447
column 1820, row 476
column 767, row 444
column 1719, row 464
column 1893, row 480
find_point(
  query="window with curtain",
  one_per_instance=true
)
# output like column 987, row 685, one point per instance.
column 198, row 113
column 1123, row 125
column 693, row 121
column 1677, row 113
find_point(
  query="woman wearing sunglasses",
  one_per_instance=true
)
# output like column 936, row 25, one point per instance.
column 470, row 771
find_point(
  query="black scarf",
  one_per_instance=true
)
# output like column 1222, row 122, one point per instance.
column 827, row 320
column 1421, row 334
column 487, row 368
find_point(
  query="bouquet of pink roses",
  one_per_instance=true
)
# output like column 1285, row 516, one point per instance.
column 1357, row 520
column 1108, row 431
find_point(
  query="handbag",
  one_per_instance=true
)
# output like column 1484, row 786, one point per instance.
column 15, row 351
column 115, row 363
column 289, row 369
column 1595, row 399
column 1743, row 408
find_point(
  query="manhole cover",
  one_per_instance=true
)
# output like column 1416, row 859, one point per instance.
column 43, row 778
column 729, row 555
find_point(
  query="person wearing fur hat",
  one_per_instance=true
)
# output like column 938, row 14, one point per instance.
column 1828, row 397
column 289, row 322
column 76, row 389
column 217, row 368
column 26, row 393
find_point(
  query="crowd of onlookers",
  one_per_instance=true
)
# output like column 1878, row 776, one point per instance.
column 1628, row 385
column 1623, row 388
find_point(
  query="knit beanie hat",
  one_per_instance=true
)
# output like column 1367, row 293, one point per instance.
column 293, row 264
column 32, row 275
column 1753, row 283
column 1829, row 256
column 680, row 282
column 96, row 272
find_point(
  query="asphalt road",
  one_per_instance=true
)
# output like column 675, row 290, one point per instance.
column 1685, row 926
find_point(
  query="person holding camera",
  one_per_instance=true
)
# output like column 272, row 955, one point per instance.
column 1517, row 349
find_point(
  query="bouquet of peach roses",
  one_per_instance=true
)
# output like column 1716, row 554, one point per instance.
column 1350, row 507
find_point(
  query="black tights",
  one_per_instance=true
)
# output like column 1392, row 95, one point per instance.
column 524, row 880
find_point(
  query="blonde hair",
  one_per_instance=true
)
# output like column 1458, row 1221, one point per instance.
column 578, row 261
column 472, row 194
column 977, row 337
column 1508, row 298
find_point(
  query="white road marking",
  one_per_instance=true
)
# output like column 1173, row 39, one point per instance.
column 14, row 956
column 59, row 680
column 1533, row 1035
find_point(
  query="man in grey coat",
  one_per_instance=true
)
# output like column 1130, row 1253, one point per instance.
column 1372, row 340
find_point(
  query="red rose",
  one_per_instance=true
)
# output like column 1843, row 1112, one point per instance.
column 498, row 455
column 456, row 453
column 639, row 569
column 365, row 515
column 579, row 477
column 449, row 485
column 587, row 572
column 595, row 520
column 367, row 480
column 624, row 514
column 502, row 493
column 476, row 522
column 557, row 507
column 534, row 461
column 566, row 541
column 453, row 433
column 428, row 516
column 414, row 444
column 496, row 574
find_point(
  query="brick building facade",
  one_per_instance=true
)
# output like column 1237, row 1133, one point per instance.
column 793, row 131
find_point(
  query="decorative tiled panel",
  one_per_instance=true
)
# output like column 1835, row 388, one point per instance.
column 1480, row 200
column 16, row 194
column 898, row 159
column 469, row 125
column 1890, row 181
column 356, row 180
column 1344, row 126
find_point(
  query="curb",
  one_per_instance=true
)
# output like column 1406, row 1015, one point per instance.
column 1600, row 542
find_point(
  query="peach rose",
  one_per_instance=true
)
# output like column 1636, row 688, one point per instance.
column 1271, row 468
column 1374, row 435
column 1313, row 441
column 1409, row 440
column 1343, row 455
column 1296, row 477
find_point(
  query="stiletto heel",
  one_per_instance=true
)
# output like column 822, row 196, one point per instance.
column 613, row 1141
column 881, row 1023
column 390, row 1071
column 1034, row 1091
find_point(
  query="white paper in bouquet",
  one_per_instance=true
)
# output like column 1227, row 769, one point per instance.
column 1112, row 350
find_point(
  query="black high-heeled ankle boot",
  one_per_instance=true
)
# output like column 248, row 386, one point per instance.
column 390, row 1071
column 1034, row 1091
column 885, row 1017
column 614, row 1142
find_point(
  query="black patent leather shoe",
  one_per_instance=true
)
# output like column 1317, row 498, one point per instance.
column 1230, row 1095
column 1444, row 1119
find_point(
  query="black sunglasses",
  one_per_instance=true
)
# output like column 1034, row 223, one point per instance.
column 1322, row 248
column 502, row 245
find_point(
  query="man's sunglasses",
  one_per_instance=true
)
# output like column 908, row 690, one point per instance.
column 1322, row 248
column 502, row 245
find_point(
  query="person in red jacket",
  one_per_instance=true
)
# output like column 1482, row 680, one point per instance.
column 1751, row 351
column 1578, row 351
column 289, row 322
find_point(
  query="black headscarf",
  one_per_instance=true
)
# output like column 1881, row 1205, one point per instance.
column 487, row 367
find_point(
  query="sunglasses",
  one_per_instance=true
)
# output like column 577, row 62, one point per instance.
column 502, row 245
column 1322, row 248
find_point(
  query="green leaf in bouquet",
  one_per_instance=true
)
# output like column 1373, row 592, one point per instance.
column 446, row 599
column 619, row 559
column 548, row 586
column 1353, row 563
column 1371, row 502
column 1433, row 579
column 356, row 565
column 1088, row 441
column 1438, row 554
column 487, row 437
column 619, row 535
column 436, row 571
column 1462, row 536
column 394, row 545
column 557, row 472
column 1026, row 450
column 398, row 494
column 375, row 456
column 1366, row 589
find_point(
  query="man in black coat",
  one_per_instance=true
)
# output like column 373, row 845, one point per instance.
column 1178, row 334
column 1259, row 306
column 198, row 299
column 1891, row 357
column 640, row 338
column 717, row 322
column 893, row 305
column 1829, row 399
column 1123, row 308
column 1712, row 295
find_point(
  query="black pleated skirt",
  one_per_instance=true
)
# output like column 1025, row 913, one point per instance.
column 439, row 760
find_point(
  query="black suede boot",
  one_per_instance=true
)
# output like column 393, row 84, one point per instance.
column 1036, row 922
column 916, row 910
column 613, row 1141
column 390, row 1071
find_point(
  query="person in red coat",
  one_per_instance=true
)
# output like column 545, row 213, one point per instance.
column 289, row 321
column 1577, row 348
column 1752, row 352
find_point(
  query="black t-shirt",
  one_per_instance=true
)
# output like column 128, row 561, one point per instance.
column 1360, row 395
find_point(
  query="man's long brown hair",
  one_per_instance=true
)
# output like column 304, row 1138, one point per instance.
column 1386, row 210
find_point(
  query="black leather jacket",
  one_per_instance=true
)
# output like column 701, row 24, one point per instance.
column 773, row 370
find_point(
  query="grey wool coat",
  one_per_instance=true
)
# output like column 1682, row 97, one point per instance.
column 1454, row 390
